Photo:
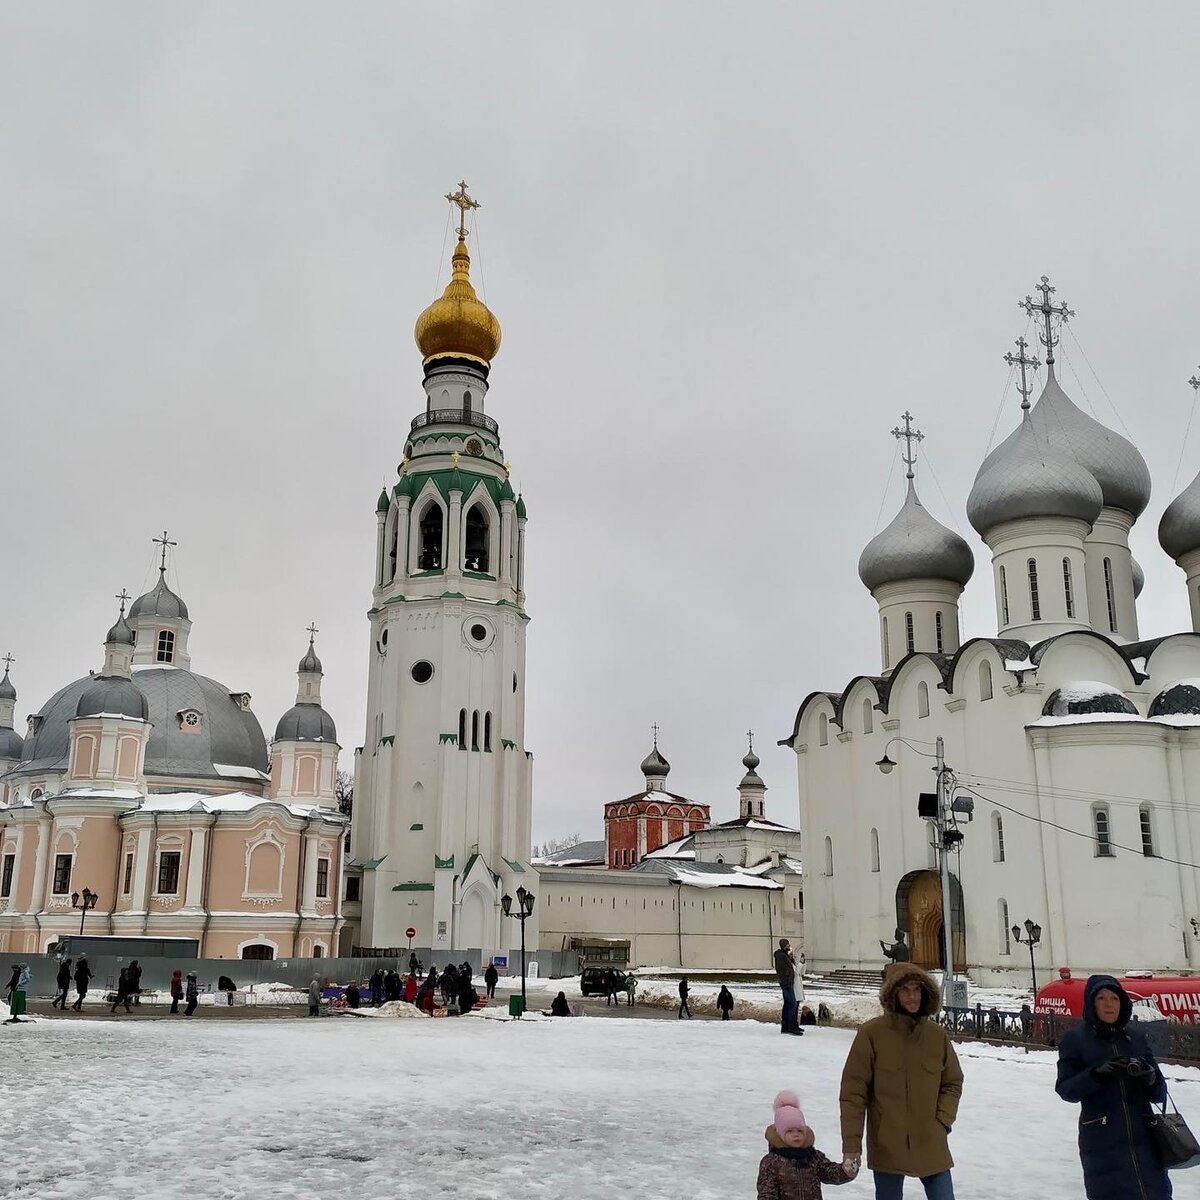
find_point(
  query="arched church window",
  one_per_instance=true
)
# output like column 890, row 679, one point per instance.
column 467, row 402
column 875, row 850
column 475, row 556
column 1100, row 825
column 1109, row 596
column 1003, row 597
column 1005, row 944
column 475, row 730
column 938, row 633
column 883, row 634
column 1035, row 603
column 823, row 729
column 393, row 551
column 985, row 680
column 868, row 719
column 1068, row 590
column 997, row 837
column 487, row 731
column 922, row 699
column 429, row 552
column 910, row 641
column 828, row 856
column 1146, row 820
column 462, row 728
column 166, row 646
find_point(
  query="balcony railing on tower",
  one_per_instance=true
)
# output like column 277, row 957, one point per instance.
column 455, row 416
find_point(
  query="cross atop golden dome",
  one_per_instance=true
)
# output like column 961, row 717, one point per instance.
column 458, row 324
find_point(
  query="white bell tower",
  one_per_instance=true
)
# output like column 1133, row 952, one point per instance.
column 443, row 783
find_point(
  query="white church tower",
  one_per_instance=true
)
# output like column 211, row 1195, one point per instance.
column 443, row 783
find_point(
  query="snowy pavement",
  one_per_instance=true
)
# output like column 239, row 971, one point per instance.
column 487, row 1109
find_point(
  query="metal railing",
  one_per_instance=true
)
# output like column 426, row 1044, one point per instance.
column 455, row 416
column 1170, row 1040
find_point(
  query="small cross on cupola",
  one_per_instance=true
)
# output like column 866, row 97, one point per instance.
column 751, row 791
column 8, row 695
column 1023, row 360
column 1044, row 311
column 309, row 671
column 912, row 438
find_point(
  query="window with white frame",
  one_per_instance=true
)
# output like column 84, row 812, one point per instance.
column 910, row 640
column 1110, row 596
column 322, row 878
column 1068, row 591
column 1146, row 820
column 1102, row 831
column 922, row 699
column 823, row 729
column 985, row 680
column 168, row 872
column 1035, row 603
column 165, row 651
column 938, row 633
column 828, row 856
column 997, row 837
column 1005, row 935
column 883, row 634
column 875, row 850
column 868, row 716
column 1003, row 597
column 62, row 874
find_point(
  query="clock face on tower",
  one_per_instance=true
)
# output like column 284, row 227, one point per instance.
column 474, row 447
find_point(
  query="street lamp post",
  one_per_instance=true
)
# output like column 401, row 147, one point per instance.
column 89, row 899
column 947, row 838
column 523, row 913
column 1032, row 939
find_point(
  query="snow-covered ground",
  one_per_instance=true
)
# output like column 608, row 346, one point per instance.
column 470, row 1107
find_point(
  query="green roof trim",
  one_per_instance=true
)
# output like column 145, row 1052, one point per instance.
column 506, row 492
column 372, row 863
column 416, row 825
column 514, row 866
column 443, row 738
column 388, row 739
column 443, row 864
column 479, row 575
column 413, row 887
column 451, row 595
column 521, row 510
column 384, row 503
column 508, row 744
column 426, row 574
column 459, row 480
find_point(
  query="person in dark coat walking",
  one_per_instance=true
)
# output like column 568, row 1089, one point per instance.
column 122, row 991
column 724, row 1002
column 377, row 987
column 83, row 973
column 176, row 990
column 192, row 992
column 683, row 998
column 392, row 986
column 135, row 981
column 63, row 980
column 1106, row 1066
column 449, row 983
column 490, row 978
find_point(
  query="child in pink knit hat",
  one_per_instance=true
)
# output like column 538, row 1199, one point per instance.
column 792, row 1168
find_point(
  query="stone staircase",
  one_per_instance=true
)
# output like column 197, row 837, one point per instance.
column 848, row 978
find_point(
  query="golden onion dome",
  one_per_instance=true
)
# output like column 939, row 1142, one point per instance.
column 458, row 324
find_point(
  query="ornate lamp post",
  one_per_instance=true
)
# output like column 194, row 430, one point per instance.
column 89, row 899
column 1032, row 938
column 523, row 913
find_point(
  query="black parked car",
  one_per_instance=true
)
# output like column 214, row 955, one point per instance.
column 591, row 980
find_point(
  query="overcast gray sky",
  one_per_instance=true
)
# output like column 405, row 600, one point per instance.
column 728, row 245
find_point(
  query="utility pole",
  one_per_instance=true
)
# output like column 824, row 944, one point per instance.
column 944, row 822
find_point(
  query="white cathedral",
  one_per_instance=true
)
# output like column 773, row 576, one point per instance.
column 1076, row 738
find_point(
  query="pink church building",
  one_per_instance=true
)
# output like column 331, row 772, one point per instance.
column 154, row 787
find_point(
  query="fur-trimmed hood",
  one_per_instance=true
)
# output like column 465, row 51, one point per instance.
column 901, row 973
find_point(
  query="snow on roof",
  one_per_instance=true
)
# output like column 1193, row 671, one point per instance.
column 582, row 854
column 228, row 772
column 684, row 847
column 229, row 802
column 1091, row 718
column 791, row 866
column 1079, row 690
column 704, row 875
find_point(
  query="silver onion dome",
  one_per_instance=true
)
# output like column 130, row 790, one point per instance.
column 915, row 546
column 1114, row 462
column 120, row 634
column 160, row 601
column 1179, row 529
column 654, row 766
column 7, row 691
column 1025, row 478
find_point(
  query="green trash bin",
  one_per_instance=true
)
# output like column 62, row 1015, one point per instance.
column 516, row 1006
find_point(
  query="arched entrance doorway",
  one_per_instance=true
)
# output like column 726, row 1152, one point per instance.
column 919, row 914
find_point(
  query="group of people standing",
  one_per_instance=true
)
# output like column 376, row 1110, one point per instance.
column 455, row 985
column 901, row 1086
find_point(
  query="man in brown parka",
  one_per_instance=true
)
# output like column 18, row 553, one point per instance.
column 902, row 1077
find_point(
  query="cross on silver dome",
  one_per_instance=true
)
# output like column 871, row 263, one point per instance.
column 164, row 542
column 1046, row 311
column 909, row 436
column 1023, row 360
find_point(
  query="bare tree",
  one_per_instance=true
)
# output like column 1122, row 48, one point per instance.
column 343, row 789
column 554, row 845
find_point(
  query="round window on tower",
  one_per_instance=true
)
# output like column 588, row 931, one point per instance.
column 422, row 672
column 478, row 633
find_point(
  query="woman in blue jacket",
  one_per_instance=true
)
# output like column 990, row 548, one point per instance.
column 1106, row 1065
